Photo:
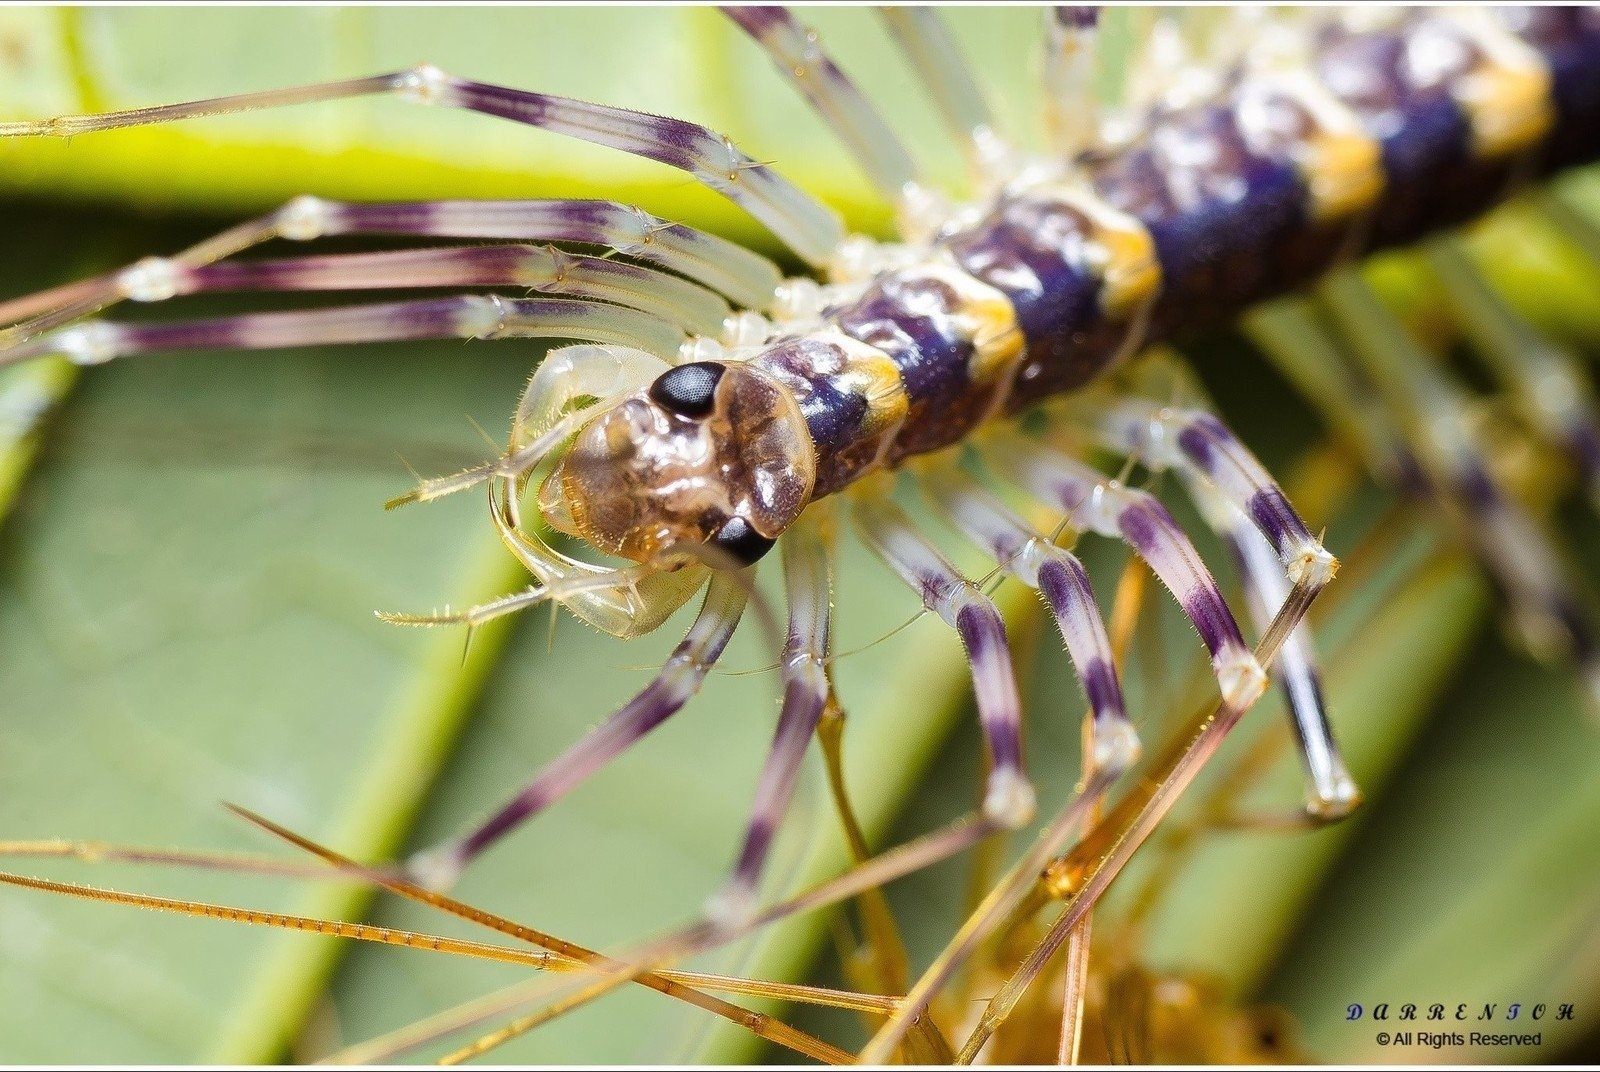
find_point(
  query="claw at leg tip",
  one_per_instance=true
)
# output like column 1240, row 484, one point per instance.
column 437, row 869
column 1335, row 802
column 1116, row 747
column 1242, row 681
column 731, row 907
column 1315, row 567
column 1009, row 801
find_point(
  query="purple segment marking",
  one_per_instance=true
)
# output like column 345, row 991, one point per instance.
column 1218, row 630
column 1276, row 519
column 1077, row 16
column 1065, row 587
column 1583, row 440
column 1101, row 686
column 642, row 714
column 437, row 318
column 679, row 679
column 802, row 708
column 984, row 636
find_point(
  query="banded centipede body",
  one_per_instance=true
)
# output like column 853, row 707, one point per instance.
column 714, row 408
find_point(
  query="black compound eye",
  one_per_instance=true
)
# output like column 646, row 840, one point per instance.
column 739, row 539
column 688, row 390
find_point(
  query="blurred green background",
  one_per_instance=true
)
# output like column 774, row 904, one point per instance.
column 188, row 571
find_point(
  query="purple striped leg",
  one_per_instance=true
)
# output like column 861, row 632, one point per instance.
column 544, row 269
column 715, row 263
column 1059, row 577
column 678, row 681
column 1071, row 99
column 810, row 229
column 465, row 316
column 805, row 692
column 1437, row 412
column 922, row 35
column 1095, row 503
column 798, row 56
column 1331, row 793
column 1547, row 379
column 1008, row 798
column 1199, row 445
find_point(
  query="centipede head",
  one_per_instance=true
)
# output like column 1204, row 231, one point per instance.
column 709, row 455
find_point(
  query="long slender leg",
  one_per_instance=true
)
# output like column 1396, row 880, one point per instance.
column 1248, row 510
column 805, row 693
column 468, row 316
column 1008, row 798
column 1295, row 340
column 1199, row 444
column 808, row 227
column 1071, row 101
column 927, row 43
column 795, row 51
column 678, row 681
column 1331, row 792
column 1096, row 503
column 1510, row 542
column 723, row 266
column 1548, row 381
column 1060, row 578
column 545, row 269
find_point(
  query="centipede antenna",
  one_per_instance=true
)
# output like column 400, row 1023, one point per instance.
column 1547, row 379
column 804, row 62
column 1511, row 542
column 673, row 687
column 809, row 228
column 922, row 35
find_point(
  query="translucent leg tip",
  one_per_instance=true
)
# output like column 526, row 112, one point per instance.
column 1116, row 746
column 1332, row 803
column 731, row 908
column 437, row 869
column 1242, row 681
column 1315, row 567
column 1010, row 801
